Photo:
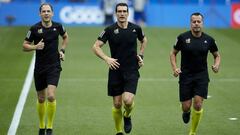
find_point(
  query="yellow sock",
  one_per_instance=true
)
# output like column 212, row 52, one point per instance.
column 196, row 116
column 128, row 110
column 117, row 116
column 41, row 108
column 51, row 109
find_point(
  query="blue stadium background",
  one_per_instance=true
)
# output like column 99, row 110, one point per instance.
column 159, row 13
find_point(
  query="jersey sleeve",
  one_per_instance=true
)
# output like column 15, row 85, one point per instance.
column 140, row 34
column 30, row 35
column 213, row 46
column 178, row 43
column 103, row 36
column 62, row 30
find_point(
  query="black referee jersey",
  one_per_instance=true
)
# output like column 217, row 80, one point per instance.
column 194, row 51
column 123, row 44
column 49, row 56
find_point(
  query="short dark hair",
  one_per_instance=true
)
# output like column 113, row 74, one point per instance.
column 121, row 4
column 196, row 14
column 40, row 8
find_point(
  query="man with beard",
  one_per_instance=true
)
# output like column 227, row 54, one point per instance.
column 193, row 73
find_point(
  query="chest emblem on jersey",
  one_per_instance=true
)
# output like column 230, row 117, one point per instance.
column 54, row 29
column 40, row 31
column 134, row 30
column 116, row 31
column 205, row 42
column 188, row 40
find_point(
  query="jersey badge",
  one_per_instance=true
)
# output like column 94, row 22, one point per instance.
column 134, row 30
column 116, row 31
column 40, row 31
column 102, row 33
column 54, row 29
column 28, row 34
column 188, row 40
column 205, row 41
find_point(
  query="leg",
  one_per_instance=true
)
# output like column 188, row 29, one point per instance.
column 186, row 108
column 130, row 88
column 186, row 105
column 117, row 113
column 51, row 105
column 128, row 106
column 41, row 108
column 201, row 91
column 41, row 86
column 197, row 113
column 128, row 103
column 197, row 104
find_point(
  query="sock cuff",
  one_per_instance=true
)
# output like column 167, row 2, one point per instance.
column 41, row 103
column 130, row 106
column 198, row 112
column 116, row 109
column 52, row 103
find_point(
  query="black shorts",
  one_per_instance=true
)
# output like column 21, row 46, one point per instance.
column 45, row 77
column 122, row 81
column 193, row 84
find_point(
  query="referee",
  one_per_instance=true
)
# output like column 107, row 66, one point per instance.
column 193, row 74
column 123, row 64
column 44, row 36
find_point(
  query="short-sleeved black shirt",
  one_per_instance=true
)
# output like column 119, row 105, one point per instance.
column 194, row 51
column 49, row 56
column 123, row 44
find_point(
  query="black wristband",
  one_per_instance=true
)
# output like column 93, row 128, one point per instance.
column 62, row 50
column 141, row 56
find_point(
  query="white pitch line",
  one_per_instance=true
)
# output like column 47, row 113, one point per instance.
column 22, row 99
column 209, row 96
column 233, row 118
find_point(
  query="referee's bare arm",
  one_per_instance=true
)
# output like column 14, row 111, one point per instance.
column 65, row 39
column 98, row 51
column 63, row 46
column 112, row 63
column 173, row 61
column 143, row 45
column 27, row 46
column 217, row 60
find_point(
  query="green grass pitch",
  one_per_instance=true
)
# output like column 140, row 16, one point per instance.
column 83, row 107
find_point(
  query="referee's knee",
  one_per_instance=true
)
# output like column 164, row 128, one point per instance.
column 197, row 106
column 41, row 99
column 51, row 98
column 117, row 105
column 128, row 102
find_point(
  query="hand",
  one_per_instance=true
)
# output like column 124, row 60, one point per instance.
column 176, row 72
column 62, row 56
column 140, row 61
column 40, row 45
column 112, row 63
column 215, row 68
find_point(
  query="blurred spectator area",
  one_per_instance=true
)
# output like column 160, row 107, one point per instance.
column 195, row 1
column 150, row 1
column 57, row 1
